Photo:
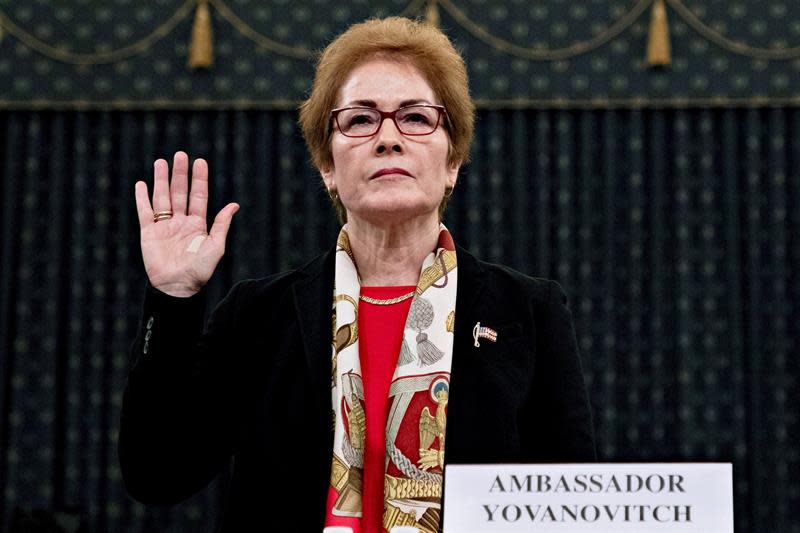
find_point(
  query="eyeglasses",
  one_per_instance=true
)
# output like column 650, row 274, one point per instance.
column 422, row 119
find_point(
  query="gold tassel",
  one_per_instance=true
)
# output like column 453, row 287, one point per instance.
column 432, row 14
column 658, row 52
column 201, row 51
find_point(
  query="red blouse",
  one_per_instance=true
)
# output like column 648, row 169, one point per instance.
column 380, row 334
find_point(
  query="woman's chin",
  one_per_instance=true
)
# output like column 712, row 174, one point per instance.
column 394, row 210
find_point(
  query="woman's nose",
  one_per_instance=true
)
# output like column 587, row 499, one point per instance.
column 389, row 138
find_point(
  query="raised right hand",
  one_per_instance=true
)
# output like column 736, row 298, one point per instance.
column 179, row 253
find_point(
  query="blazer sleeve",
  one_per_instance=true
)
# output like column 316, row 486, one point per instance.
column 177, row 420
column 563, row 430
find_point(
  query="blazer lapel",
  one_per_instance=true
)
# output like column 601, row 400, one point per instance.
column 480, row 299
column 471, row 281
column 313, row 297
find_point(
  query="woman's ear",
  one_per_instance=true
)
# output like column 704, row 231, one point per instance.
column 452, row 173
column 327, row 178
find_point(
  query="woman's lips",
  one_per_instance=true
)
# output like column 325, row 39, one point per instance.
column 385, row 171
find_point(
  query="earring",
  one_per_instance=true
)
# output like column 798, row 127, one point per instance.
column 333, row 194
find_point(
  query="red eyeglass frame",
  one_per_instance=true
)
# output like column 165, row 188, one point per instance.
column 389, row 114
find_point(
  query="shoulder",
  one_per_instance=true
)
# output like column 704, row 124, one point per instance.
column 276, row 286
column 504, row 280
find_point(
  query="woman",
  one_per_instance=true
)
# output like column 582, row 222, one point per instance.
column 349, row 420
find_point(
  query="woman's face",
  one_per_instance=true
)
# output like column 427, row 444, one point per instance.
column 418, row 172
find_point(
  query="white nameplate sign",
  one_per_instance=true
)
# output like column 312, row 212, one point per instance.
column 589, row 498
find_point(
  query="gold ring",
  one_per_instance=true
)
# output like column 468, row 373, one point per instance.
column 161, row 215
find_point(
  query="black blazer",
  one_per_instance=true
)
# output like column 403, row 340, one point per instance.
column 255, row 386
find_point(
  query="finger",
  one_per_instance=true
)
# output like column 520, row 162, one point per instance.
column 198, row 198
column 179, row 186
column 219, row 230
column 143, row 205
column 161, row 201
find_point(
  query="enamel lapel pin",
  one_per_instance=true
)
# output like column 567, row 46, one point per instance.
column 483, row 332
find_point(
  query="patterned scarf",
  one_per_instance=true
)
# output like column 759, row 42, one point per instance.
column 417, row 411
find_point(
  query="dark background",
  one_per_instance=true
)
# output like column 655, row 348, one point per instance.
column 664, row 199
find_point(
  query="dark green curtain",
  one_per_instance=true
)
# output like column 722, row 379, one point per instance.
column 676, row 233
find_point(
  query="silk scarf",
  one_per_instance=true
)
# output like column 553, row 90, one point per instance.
column 417, row 410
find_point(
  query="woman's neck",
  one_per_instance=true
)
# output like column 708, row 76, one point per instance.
column 391, row 254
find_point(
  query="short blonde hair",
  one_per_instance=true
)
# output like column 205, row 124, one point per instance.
column 425, row 47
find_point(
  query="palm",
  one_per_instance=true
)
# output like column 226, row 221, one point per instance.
column 164, row 249
column 179, row 253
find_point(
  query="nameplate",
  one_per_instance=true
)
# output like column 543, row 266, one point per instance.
column 589, row 498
